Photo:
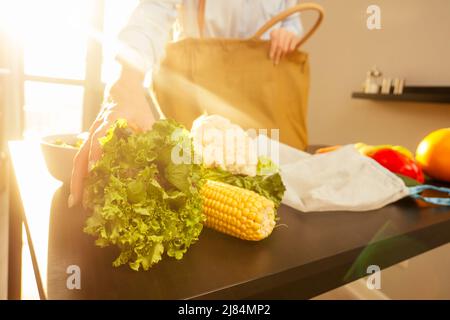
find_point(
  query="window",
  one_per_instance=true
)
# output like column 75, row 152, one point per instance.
column 52, row 108
column 116, row 16
column 63, row 60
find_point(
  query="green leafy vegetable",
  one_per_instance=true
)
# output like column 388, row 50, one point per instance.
column 141, row 201
column 77, row 144
column 269, row 185
column 266, row 167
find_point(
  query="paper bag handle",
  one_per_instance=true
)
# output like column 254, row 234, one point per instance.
column 278, row 18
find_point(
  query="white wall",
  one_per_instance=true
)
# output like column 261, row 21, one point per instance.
column 414, row 43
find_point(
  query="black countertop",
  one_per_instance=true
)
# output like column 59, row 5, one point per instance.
column 308, row 254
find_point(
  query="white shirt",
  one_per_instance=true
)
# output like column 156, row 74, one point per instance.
column 149, row 28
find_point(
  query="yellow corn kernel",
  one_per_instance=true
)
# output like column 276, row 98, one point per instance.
column 236, row 211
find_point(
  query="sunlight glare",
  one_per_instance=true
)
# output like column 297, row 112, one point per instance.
column 48, row 32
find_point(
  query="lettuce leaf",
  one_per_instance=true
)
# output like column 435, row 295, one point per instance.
column 267, row 185
column 141, row 202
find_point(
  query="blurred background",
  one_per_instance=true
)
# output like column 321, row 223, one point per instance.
column 55, row 57
column 413, row 43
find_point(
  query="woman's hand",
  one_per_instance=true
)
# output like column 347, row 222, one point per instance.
column 125, row 99
column 282, row 42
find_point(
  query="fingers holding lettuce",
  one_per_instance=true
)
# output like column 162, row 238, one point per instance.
column 125, row 99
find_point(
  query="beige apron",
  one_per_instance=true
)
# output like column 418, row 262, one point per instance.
column 236, row 79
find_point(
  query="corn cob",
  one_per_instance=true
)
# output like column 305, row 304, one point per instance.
column 236, row 211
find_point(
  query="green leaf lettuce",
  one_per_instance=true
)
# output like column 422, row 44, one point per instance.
column 141, row 201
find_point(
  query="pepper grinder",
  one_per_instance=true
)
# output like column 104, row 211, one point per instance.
column 371, row 85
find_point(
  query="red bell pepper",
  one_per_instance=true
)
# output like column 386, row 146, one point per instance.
column 398, row 163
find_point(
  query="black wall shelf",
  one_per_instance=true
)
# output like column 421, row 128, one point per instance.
column 411, row 93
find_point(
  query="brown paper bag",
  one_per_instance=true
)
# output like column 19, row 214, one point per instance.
column 236, row 79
